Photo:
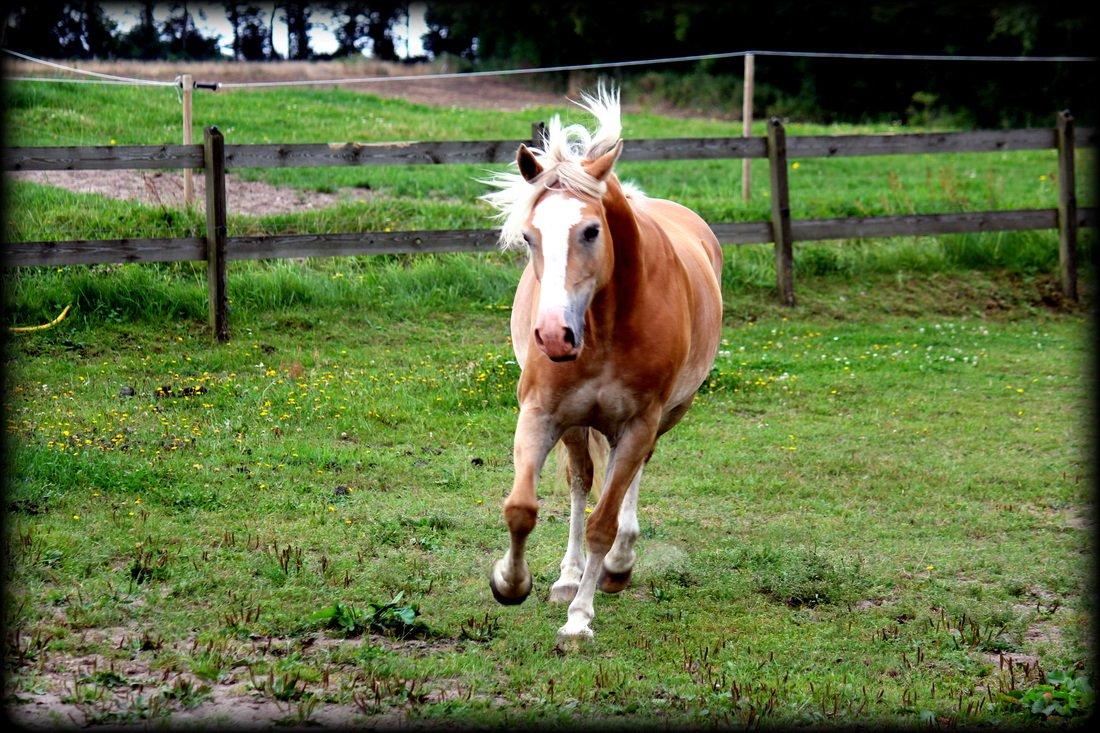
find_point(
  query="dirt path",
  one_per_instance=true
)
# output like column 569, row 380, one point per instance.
column 165, row 188
column 480, row 92
column 253, row 197
column 256, row 198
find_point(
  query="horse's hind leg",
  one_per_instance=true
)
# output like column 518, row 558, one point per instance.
column 579, row 477
column 618, row 564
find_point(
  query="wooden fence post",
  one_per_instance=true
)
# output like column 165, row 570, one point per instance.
column 214, row 160
column 781, row 211
column 1067, row 206
column 538, row 134
column 188, row 84
column 746, row 124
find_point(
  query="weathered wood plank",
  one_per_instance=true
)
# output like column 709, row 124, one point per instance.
column 216, row 232
column 694, row 148
column 102, row 157
column 102, row 251
column 1067, row 206
column 743, row 232
column 476, row 151
column 23, row 254
column 335, row 154
column 746, row 122
column 781, row 211
column 924, row 224
column 825, row 146
column 112, row 157
column 362, row 243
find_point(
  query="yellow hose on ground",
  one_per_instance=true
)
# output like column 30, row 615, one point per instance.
column 44, row 326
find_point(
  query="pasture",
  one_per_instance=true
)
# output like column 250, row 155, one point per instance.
column 877, row 508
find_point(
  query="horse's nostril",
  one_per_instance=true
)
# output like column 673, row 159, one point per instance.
column 570, row 338
column 538, row 337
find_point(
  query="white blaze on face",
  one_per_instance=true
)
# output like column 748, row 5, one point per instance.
column 554, row 217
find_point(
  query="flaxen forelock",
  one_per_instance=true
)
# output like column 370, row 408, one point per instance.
column 563, row 151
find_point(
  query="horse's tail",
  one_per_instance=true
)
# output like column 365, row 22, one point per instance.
column 598, row 450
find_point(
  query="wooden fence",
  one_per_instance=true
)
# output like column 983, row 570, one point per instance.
column 214, row 158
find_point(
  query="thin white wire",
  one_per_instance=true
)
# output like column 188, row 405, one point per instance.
column 475, row 74
column 97, row 74
column 645, row 62
column 110, row 78
column 69, row 81
column 919, row 56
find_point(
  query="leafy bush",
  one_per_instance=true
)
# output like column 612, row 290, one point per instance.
column 391, row 618
column 1067, row 694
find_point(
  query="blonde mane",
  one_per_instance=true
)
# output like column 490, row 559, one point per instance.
column 563, row 150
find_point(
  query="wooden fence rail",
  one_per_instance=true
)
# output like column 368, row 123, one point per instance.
column 105, row 157
column 215, row 157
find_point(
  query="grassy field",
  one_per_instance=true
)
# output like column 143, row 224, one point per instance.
column 445, row 196
column 876, row 511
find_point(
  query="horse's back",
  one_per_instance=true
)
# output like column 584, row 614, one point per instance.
column 699, row 253
column 695, row 234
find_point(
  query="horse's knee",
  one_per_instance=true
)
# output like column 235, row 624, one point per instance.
column 599, row 535
column 520, row 518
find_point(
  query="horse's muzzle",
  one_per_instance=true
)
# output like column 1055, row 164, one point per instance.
column 559, row 341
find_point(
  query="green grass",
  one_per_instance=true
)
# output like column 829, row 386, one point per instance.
column 878, row 489
column 876, row 493
column 409, row 197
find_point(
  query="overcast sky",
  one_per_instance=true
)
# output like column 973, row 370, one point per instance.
column 211, row 19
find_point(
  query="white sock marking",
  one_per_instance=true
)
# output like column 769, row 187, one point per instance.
column 620, row 557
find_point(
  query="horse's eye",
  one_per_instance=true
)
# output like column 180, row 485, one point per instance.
column 527, row 238
column 591, row 232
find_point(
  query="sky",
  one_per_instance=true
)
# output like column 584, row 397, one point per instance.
column 210, row 19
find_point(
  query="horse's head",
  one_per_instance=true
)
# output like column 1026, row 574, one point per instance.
column 554, row 207
column 571, row 252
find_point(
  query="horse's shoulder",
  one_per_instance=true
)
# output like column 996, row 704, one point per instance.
column 687, row 232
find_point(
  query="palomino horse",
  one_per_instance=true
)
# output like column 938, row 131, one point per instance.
column 615, row 325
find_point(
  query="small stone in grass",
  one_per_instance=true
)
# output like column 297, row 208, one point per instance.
column 127, row 391
column 341, row 490
column 477, row 461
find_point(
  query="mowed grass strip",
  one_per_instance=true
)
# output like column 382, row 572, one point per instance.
column 410, row 197
column 876, row 494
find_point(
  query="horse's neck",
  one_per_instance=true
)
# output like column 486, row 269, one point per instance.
column 629, row 267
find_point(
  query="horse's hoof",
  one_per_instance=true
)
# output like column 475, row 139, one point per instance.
column 563, row 593
column 509, row 596
column 614, row 582
column 574, row 636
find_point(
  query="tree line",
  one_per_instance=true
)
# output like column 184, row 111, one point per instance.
column 500, row 35
column 86, row 30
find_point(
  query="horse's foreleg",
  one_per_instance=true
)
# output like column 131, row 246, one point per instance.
column 618, row 564
column 510, row 579
column 579, row 475
column 630, row 454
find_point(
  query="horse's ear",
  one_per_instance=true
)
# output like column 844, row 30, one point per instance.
column 528, row 166
column 601, row 166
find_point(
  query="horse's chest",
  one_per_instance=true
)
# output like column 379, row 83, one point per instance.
column 603, row 401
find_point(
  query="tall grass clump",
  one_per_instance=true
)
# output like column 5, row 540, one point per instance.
column 130, row 292
column 394, row 285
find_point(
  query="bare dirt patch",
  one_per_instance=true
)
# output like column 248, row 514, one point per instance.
column 111, row 676
column 477, row 92
column 165, row 188
column 512, row 93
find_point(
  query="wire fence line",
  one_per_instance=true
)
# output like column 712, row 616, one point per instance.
column 103, row 78
column 99, row 75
